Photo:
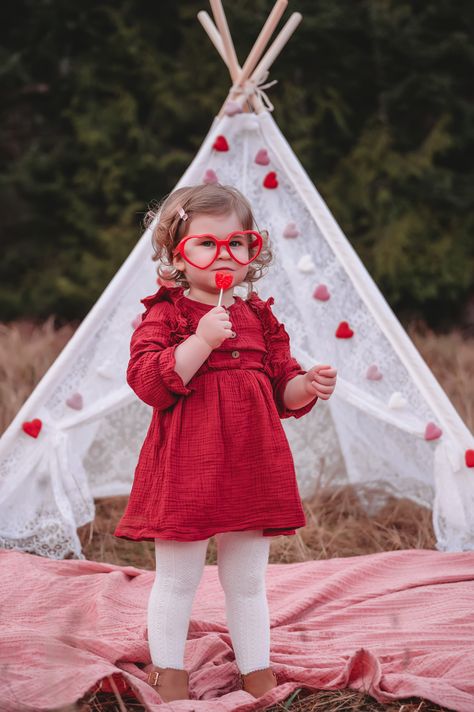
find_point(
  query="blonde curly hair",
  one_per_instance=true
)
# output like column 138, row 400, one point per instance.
column 207, row 199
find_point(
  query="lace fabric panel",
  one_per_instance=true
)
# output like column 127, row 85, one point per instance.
column 47, row 485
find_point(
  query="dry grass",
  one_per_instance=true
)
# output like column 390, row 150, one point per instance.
column 337, row 523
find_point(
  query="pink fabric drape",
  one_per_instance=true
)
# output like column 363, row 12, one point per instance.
column 394, row 624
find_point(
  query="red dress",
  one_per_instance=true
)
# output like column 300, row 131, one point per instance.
column 216, row 457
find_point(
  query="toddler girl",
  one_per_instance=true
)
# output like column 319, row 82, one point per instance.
column 215, row 460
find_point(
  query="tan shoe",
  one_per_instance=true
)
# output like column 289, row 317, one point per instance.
column 258, row 682
column 170, row 683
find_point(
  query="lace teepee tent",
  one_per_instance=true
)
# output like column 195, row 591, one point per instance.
column 388, row 420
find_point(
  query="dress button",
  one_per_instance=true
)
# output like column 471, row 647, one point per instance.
column 235, row 354
column 233, row 335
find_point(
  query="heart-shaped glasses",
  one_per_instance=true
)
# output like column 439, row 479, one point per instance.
column 202, row 250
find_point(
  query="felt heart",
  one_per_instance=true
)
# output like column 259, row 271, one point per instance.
column 396, row 400
column 432, row 432
column 262, row 157
column 137, row 321
column 306, row 264
column 210, row 176
column 105, row 369
column 232, row 108
column 270, row 180
column 321, row 292
column 373, row 373
column 220, row 144
column 32, row 427
column 469, row 457
column 75, row 401
column 165, row 282
column 344, row 331
column 223, row 280
column 291, row 230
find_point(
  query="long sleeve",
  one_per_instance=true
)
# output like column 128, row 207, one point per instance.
column 150, row 371
column 281, row 367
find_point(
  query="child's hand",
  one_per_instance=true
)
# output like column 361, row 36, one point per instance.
column 320, row 381
column 214, row 327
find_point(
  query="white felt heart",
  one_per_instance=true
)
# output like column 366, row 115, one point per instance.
column 432, row 431
column 137, row 321
column 210, row 176
column 291, row 230
column 75, row 401
column 306, row 264
column 373, row 373
column 321, row 292
column 232, row 108
column 105, row 369
column 397, row 400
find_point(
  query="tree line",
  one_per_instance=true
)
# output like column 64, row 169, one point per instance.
column 104, row 105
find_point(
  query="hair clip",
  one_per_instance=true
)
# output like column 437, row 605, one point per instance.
column 182, row 214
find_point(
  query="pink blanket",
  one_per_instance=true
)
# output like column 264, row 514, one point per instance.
column 395, row 624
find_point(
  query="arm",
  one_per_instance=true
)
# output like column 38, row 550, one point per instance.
column 151, row 370
column 190, row 355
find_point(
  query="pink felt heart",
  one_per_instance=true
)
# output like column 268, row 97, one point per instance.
column 232, row 108
column 270, row 180
column 432, row 431
column 373, row 373
column 262, row 157
column 32, row 427
column 210, row 177
column 136, row 321
column 469, row 457
column 321, row 292
column 291, row 230
column 223, row 280
column 220, row 144
column 75, row 401
column 344, row 331
column 165, row 282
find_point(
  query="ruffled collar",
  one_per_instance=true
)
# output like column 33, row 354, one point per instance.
column 186, row 308
column 175, row 295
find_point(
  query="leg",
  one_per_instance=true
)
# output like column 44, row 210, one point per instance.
column 242, row 562
column 179, row 567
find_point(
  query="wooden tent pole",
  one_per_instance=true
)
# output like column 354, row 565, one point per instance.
column 262, row 40
column 273, row 52
column 213, row 33
column 223, row 27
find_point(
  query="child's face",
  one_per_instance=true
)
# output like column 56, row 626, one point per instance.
column 220, row 226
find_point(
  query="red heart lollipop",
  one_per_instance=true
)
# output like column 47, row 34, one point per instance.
column 223, row 280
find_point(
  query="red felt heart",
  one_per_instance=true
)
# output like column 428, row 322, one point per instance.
column 469, row 456
column 344, row 331
column 220, row 144
column 270, row 180
column 223, row 280
column 32, row 427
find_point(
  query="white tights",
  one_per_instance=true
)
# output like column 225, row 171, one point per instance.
column 242, row 561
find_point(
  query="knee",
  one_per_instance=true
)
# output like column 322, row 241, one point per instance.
column 241, row 583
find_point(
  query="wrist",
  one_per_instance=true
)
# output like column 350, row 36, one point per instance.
column 203, row 341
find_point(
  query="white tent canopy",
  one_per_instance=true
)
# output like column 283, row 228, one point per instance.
column 372, row 430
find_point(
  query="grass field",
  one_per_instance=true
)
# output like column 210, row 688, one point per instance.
column 338, row 525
